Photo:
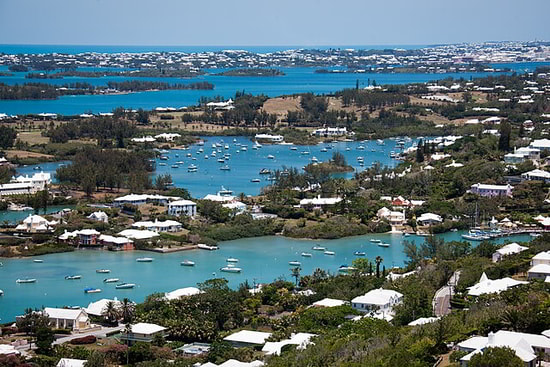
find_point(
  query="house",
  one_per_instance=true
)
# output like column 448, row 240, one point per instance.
column 70, row 362
column 98, row 308
column 491, row 190
column 99, row 216
column 541, row 258
column 509, row 249
column 36, row 223
column 423, row 321
column 159, row 226
column 247, row 338
column 329, row 302
column 522, row 154
column 269, row 137
column 63, row 318
column 8, row 350
column 235, row 206
column 168, row 136
column 12, row 189
column 540, row 144
column 38, row 180
column 428, row 219
column 88, row 237
column 540, row 271
column 140, row 199
column 537, row 175
column 143, row 332
column 394, row 217
column 301, row 340
column 525, row 345
column 331, row 131
column 116, row 243
column 137, row 234
column 182, row 292
column 318, row 202
column 488, row 286
column 232, row 363
column 182, row 207
column 379, row 301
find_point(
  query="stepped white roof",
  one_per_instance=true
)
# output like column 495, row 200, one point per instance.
column 377, row 297
column 248, row 336
column 182, row 292
column 63, row 313
column 301, row 340
column 137, row 234
column 146, row 328
column 487, row 286
column 71, row 362
column 97, row 308
column 329, row 302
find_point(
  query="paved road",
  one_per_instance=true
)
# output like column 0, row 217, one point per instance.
column 442, row 300
column 97, row 333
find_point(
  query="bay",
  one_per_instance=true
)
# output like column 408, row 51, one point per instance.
column 262, row 259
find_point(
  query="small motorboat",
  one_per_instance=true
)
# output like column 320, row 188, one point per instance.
column 37, row 168
column 265, row 171
column 203, row 246
column 383, row 244
column 346, row 269
column 102, row 271
column 73, row 277
column 225, row 168
column 232, row 260
column 1, row 292
column 255, row 180
column 331, row 253
column 294, row 263
column 38, row 260
column 270, row 156
column 175, row 166
column 318, row 248
column 25, row 280
column 92, row 290
column 144, row 259
column 125, row 286
column 187, row 263
column 293, row 148
column 374, row 240
column 359, row 253
column 230, row 269
column 306, row 254
column 111, row 280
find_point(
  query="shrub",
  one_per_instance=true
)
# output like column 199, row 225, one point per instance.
column 88, row 339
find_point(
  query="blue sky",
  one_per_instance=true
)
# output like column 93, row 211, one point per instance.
column 282, row 22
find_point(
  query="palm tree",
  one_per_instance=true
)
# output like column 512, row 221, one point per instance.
column 378, row 261
column 127, row 309
column 295, row 272
column 111, row 312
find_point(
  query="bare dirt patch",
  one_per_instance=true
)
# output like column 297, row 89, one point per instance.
column 26, row 154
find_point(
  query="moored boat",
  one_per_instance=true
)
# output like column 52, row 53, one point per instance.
column 346, row 269
column 359, row 253
column 1, row 292
column 295, row 263
column 102, row 271
column 73, row 277
column 38, row 260
column 187, row 263
column 144, row 259
column 329, row 252
column 125, row 286
column 203, row 246
column 383, row 244
column 375, row 240
column 230, row 269
column 255, row 180
column 111, row 280
column 318, row 248
column 307, row 254
column 26, row 280
column 232, row 260
column 92, row 290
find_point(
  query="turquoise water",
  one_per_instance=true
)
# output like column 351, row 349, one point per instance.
column 48, row 167
column 247, row 164
column 262, row 260
column 296, row 80
column 15, row 217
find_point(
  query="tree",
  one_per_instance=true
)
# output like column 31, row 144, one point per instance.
column 504, row 139
column 338, row 159
column 44, row 340
column 378, row 261
column 127, row 310
column 95, row 359
column 111, row 312
column 420, row 152
column 361, row 265
column 142, row 116
column 31, row 321
column 491, row 357
column 7, row 137
column 295, row 272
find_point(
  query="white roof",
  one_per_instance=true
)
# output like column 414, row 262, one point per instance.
column 63, row 313
column 182, row 292
column 475, row 342
column 34, row 219
column 235, row 363
column 219, row 198
column 8, row 349
column 545, row 255
column 377, row 297
column 320, row 201
column 540, row 269
column 536, row 173
column 113, row 239
column 144, row 197
column 146, row 328
column 70, row 362
column 181, row 203
column 156, row 224
column 137, row 234
column 248, row 336
column 98, row 214
column 487, row 286
column 299, row 339
column 540, row 143
column 429, row 217
column 97, row 308
column 511, row 248
column 88, row 232
column 423, row 321
column 491, row 187
column 329, row 302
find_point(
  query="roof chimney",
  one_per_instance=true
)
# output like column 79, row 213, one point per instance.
column 491, row 338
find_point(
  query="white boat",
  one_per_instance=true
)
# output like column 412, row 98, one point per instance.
column 226, row 146
column 111, row 280
column 221, row 160
column 324, row 150
column 255, row 180
column 307, row 254
column 270, row 157
column 26, row 280
column 92, row 290
column 244, row 148
column 359, row 253
column 232, row 260
column 360, row 147
column 225, row 168
column 162, row 164
column 203, row 246
column 230, row 269
column 187, row 263
column 380, row 142
column 375, row 240
column 314, row 159
column 346, row 269
column 1, row 292
column 329, row 253
column 73, row 277
column 38, row 261
column 102, row 271
column 318, row 248
column 265, row 171
column 125, row 286
column 144, row 259
column 383, row 244
column 305, row 152
column 225, row 191
column 175, row 166
column 192, row 168
column 294, row 263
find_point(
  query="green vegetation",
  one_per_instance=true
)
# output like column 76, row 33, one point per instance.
column 252, row 72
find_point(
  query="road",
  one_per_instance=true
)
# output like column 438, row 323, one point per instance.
column 97, row 333
column 442, row 300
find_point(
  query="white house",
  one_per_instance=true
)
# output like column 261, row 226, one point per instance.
column 269, row 137
column 99, row 216
column 429, row 219
column 182, row 207
column 541, row 258
column 62, row 318
column 247, row 338
column 71, row 362
column 509, row 249
column 394, row 217
column 525, row 345
column 540, row 144
column 331, row 131
column 98, row 308
column 537, row 174
column 137, row 234
column 540, row 271
column 488, row 286
column 8, row 350
column 38, row 180
column 491, row 190
column 12, row 189
column 378, row 301
column 140, row 199
column 143, row 332
column 301, row 340
column 36, row 223
column 319, row 202
column 329, row 302
column 159, row 226
column 423, row 321
column 182, row 292
column 167, row 136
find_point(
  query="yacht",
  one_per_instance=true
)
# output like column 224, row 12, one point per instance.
column 221, row 160
column 360, row 147
column 265, row 171
column 270, row 156
column 314, row 159
column 225, row 168
column 92, row 290
column 225, row 192
column 26, row 280
column 244, row 148
column 73, row 277
column 380, row 142
column 111, row 280
column 192, row 168
column 144, row 259
column 175, row 166
column 163, row 158
column 1, row 292
column 230, row 269
column 232, row 260
column 329, row 253
column 38, row 260
column 102, row 271
column 294, row 263
column 383, row 244
column 125, row 286
column 475, row 235
column 307, row 254
column 359, row 253
column 187, row 263
column 318, row 248
column 255, row 180
column 203, row 246
column 324, row 150
column 375, row 240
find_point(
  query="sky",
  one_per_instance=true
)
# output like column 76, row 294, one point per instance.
column 271, row 23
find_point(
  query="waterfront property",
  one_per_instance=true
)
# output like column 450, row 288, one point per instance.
column 427, row 219
column 509, row 249
column 12, row 189
column 182, row 292
column 380, row 301
column 159, row 226
column 98, row 308
column 488, row 286
column 182, row 207
column 36, row 223
column 140, row 199
column 491, row 190
column 143, row 332
column 269, row 137
column 62, row 318
column 394, row 217
column 332, row 132
column 24, row 185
